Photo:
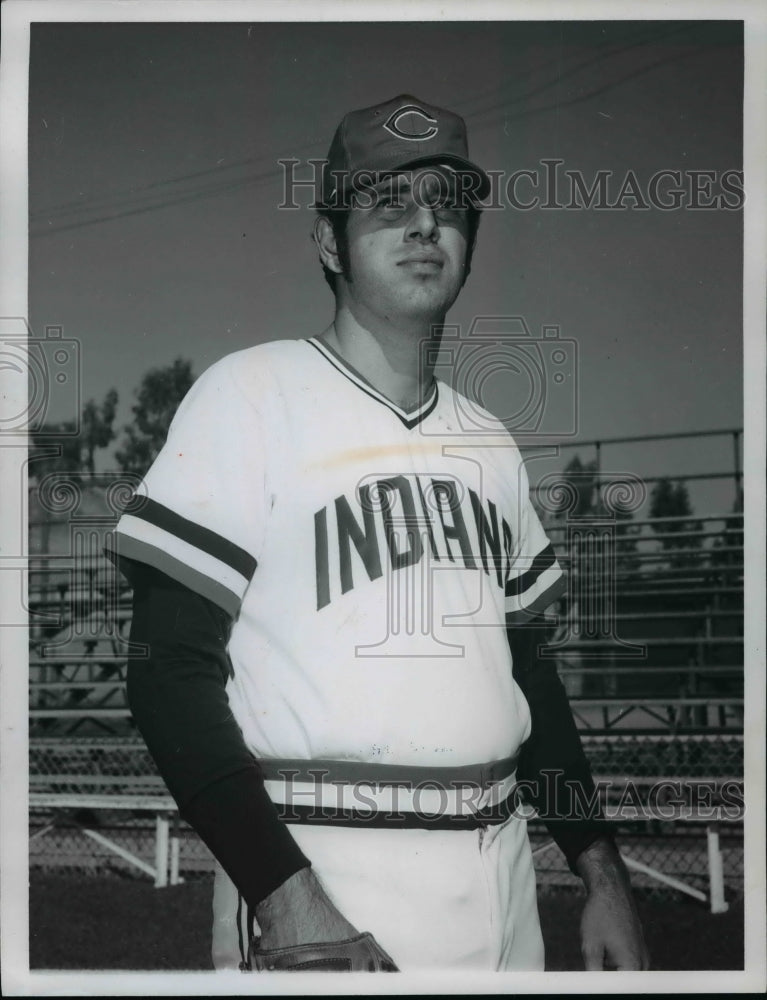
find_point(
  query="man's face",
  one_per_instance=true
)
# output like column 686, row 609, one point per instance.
column 407, row 249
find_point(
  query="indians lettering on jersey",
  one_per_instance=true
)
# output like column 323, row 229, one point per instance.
column 207, row 517
column 397, row 520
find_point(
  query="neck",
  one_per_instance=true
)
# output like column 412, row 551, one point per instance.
column 398, row 362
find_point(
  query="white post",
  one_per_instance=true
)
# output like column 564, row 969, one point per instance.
column 675, row 883
column 175, row 844
column 715, row 871
column 121, row 852
column 161, row 851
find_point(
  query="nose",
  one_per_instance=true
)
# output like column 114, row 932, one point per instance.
column 423, row 224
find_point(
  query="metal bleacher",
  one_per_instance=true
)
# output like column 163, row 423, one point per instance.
column 649, row 648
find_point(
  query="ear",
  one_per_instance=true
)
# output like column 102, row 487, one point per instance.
column 326, row 244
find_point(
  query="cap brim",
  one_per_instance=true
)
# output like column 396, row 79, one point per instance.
column 457, row 163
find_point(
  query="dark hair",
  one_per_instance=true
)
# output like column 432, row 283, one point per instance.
column 339, row 221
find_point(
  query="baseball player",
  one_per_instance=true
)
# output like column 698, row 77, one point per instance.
column 336, row 587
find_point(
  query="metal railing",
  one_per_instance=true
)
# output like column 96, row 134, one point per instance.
column 686, row 639
column 734, row 433
column 675, row 711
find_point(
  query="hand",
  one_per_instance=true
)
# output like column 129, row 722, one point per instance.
column 300, row 912
column 611, row 933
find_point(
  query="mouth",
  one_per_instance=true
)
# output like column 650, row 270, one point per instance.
column 429, row 260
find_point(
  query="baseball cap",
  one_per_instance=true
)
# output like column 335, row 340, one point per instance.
column 400, row 134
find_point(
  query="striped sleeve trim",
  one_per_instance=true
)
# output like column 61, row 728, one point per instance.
column 526, row 580
column 539, row 604
column 539, row 584
column 195, row 535
column 195, row 569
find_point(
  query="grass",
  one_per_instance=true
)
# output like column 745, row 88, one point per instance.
column 82, row 922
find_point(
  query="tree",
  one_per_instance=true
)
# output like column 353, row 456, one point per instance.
column 61, row 447
column 55, row 448
column 582, row 481
column 626, row 535
column 672, row 500
column 584, row 497
column 67, row 454
column 97, row 430
column 726, row 557
column 158, row 397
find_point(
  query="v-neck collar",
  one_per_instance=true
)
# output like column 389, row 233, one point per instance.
column 410, row 418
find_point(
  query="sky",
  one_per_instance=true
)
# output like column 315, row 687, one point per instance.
column 156, row 231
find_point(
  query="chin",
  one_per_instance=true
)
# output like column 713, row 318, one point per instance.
column 429, row 298
column 424, row 314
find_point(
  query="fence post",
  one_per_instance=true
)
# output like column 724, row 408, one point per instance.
column 715, row 871
column 161, row 851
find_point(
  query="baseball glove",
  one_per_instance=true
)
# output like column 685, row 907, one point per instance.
column 357, row 954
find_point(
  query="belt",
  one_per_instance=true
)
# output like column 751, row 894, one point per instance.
column 355, row 793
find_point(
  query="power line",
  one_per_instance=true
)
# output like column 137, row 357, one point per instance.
column 636, row 43
column 77, row 205
column 224, row 186
column 74, row 206
column 601, row 90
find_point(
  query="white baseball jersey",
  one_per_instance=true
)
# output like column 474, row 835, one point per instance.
column 372, row 559
column 371, row 556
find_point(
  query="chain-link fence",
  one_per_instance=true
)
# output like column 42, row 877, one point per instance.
column 667, row 729
column 123, row 766
column 96, row 802
column 679, row 851
column 63, row 840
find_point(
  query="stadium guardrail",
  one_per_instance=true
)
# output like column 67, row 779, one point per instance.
column 675, row 713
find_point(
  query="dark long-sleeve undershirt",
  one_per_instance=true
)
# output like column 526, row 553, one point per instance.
column 177, row 694
column 178, row 699
column 552, row 760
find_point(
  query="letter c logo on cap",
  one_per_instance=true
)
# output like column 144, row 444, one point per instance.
column 392, row 124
